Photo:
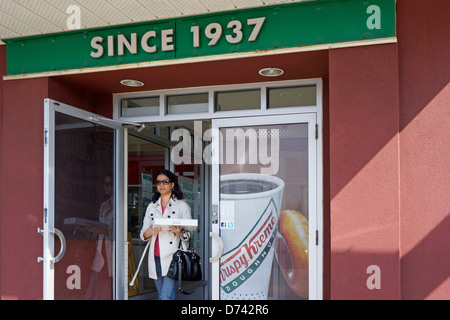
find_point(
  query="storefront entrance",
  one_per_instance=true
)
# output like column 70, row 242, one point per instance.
column 251, row 177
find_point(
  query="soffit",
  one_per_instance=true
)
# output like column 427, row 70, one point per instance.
column 32, row 17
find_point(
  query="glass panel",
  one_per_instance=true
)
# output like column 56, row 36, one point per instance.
column 190, row 103
column 264, row 212
column 148, row 106
column 84, row 208
column 144, row 160
column 292, row 97
column 238, row 100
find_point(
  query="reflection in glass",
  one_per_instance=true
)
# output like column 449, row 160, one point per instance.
column 238, row 100
column 188, row 103
column 84, row 208
column 148, row 106
column 292, row 97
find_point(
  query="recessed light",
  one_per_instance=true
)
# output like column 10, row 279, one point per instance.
column 132, row 83
column 271, row 72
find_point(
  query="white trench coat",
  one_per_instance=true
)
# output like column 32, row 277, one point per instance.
column 168, row 242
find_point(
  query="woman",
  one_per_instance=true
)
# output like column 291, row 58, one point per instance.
column 166, row 203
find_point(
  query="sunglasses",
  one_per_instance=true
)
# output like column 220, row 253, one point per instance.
column 164, row 182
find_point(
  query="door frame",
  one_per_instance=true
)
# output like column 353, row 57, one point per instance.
column 49, row 232
column 315, row 195
column 317, row 109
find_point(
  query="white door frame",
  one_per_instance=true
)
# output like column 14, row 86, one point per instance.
column 278, row 114
column 315, row 195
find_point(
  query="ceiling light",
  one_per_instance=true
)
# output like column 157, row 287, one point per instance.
column 271, row 72
column 132, row 83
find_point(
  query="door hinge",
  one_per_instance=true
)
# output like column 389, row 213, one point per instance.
column 317, row 131
column 317, row 237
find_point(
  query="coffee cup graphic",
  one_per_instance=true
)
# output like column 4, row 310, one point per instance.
column 251, row 203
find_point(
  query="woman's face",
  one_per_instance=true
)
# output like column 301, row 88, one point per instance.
column 164, row 185
column 107, row 186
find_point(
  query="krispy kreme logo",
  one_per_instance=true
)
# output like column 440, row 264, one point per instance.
column 242, row 262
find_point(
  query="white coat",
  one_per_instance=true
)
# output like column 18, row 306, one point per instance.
column 106, row 217
column 168, row 242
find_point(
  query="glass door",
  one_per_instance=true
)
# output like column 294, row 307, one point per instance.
column 264, row 208
column 81, row 205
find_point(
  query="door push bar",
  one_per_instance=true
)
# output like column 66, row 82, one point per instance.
column 220, row 243
column 62, row 251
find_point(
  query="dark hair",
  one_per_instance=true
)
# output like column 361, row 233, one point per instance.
column 176, row 192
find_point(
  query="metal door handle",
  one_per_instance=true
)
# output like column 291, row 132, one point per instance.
column 220, row 251
column 62, row 251
column 41, row 232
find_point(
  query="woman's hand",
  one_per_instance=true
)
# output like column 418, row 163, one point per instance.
column 176, row 230
column 150, row 232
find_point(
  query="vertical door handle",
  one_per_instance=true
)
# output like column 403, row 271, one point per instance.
column 41, row 232
column 220, row 243
column 62, row 251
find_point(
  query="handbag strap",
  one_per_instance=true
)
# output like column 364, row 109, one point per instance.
column 139, row 266
column 189, row 244
column 180, row 273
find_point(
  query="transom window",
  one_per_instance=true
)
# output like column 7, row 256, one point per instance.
column 251, row 99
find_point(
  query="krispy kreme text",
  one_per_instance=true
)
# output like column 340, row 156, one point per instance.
column 244, row 261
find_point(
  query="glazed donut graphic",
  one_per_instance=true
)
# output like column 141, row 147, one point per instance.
column 291, row 250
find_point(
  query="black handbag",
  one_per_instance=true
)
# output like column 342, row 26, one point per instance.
column 185, row 266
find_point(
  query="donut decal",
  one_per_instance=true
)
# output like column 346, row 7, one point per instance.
column 291, row 250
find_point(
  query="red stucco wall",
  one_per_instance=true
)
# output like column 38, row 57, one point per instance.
column 22, row 181
column 424, row 69
column 389, row 167
column 364, row 173
column 2, row 71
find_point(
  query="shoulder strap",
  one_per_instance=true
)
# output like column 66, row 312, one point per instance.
column 140, row 262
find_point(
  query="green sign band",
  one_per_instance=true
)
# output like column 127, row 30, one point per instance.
column 296, row 25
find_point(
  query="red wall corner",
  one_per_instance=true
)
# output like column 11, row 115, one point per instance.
column 2, row 72
column 22, row 194
column 364, row 171
column 424, row 150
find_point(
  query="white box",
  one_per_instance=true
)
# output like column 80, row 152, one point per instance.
column 187, row 224
column 87, row 225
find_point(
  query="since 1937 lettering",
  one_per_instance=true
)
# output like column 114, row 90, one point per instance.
column 152, row 42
